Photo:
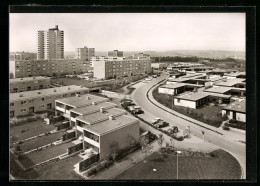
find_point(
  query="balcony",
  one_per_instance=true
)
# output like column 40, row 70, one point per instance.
column 92, row 142
column 60, row 109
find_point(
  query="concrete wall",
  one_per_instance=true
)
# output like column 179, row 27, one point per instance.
column 166, row 91
column 185, row 103
column 119, row 136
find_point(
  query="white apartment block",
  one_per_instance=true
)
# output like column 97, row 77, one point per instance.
column 30, row 68
column 106, row 69
column 51, row 44
column 104, row 58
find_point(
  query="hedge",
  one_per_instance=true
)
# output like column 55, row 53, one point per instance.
column 67, row 135
column 75, row 148
column 64, row 125
column 85, row 164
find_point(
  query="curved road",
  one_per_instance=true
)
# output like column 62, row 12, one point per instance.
column 237, row 149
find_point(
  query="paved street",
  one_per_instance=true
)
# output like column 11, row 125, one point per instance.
column 235, row 148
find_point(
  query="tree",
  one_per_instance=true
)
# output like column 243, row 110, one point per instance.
column 114, row 149
column 160, row 139
column 144, row 142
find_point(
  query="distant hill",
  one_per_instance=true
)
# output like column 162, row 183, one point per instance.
column 184, row 53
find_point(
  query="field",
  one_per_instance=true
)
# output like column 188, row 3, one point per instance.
column 223, row 166
column 43, row 155
column 208, row 114
column 28, row 130
column 39, row 141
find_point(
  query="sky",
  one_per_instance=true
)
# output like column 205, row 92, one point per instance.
column 132, row 31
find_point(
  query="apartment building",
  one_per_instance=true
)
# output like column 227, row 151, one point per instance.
column 121, row 68
column 25, row 103
column 115, row 53
column 104, row 58
column 85, row 53
column 29, row 83
column 98, row 122
column 51, row 44
column 159, row 65
column 18, row 56
column 29, row 68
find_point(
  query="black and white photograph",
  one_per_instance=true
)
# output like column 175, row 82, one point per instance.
column 127, row 96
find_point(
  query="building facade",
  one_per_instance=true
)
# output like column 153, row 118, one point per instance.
column 121, row 68
column 25, row 103
column 51, row 44
column 236, row 110
column 18, row 56
column 159, row 65
column 104, row 58
column 85, row 53
column 98, row 122
column 30, row 68
column 28, row 84
column 115, row 53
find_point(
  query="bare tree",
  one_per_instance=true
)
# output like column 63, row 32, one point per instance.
column 144, row 142
column 114, row 149
column 160, row 139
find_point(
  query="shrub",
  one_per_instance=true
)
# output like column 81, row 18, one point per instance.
column 232, row 121
column 22, row 131
column 225, row 128
column 212, row 154
column 224, row 117
column 92, row 171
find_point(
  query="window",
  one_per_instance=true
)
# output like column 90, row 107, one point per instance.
column 23, row 110
column 178, row 100
column 11, row 104
column 31, row 101
column 228, row 112
column 23, row 102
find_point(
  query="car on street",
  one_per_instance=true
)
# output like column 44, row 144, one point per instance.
column 156, row 120
column 161, row 124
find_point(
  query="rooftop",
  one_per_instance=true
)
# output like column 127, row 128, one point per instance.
column 216, row 78
column 236, row 74
column 193, row 96
column 239, row 106
column 230, row 82
column 15, row 80
column 110, row 125
column 220, row 90
column 97, row 117
column 82, row 100
column 45, row 92
column 173, row 86
column 218, row 95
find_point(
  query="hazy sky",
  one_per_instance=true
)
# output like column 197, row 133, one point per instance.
column 133, row 32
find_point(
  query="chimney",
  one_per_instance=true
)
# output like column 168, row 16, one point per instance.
column 101, row 109
column 56, row 26
column 94, row 103
column 87, row 97
column 111, row 117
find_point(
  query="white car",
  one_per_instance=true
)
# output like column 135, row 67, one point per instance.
column 156, row 120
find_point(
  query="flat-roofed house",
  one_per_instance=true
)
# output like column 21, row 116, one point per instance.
column 24, row 103
column 29, row 83
column 191, row 100
column 236, row 110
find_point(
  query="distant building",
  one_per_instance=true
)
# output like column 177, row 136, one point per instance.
column 85, row 53
column 98, row 122
column 51, row 44
column 236, row 110
column 115, row 53
column 141, row 55
column 30, row 68
column 24, row 103
column 159, row 65
column 29, row 83
column 104, row 58
column 107, row 68
column 18, row 56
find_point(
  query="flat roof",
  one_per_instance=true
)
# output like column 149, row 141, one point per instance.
column 216, row 78
column 239, row 106
column 230, row 82
column 110, row 125
column 193, row 96
column 220, row 90
column 218, row 95
column 15, row 80
column 82, row 100
column 98, row 116
column 187, row 77
column 45, row 92
column 235, row 74
column 173, row 86
column 93, row 108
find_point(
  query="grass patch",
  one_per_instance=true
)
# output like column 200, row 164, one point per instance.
column 222, row 166
column 207, row 114
column 28, row 130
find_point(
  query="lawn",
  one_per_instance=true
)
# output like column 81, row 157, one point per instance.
column 62, row 170
column 208, row 114
column 46, row 154
column 28, row 130
column 39, row 141
column 223, row 166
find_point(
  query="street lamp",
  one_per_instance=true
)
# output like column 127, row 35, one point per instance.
column 203, row 135
column 178, row 152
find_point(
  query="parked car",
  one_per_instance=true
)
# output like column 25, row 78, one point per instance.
column 154, row 76
column 156, row 120
column 161, row 124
